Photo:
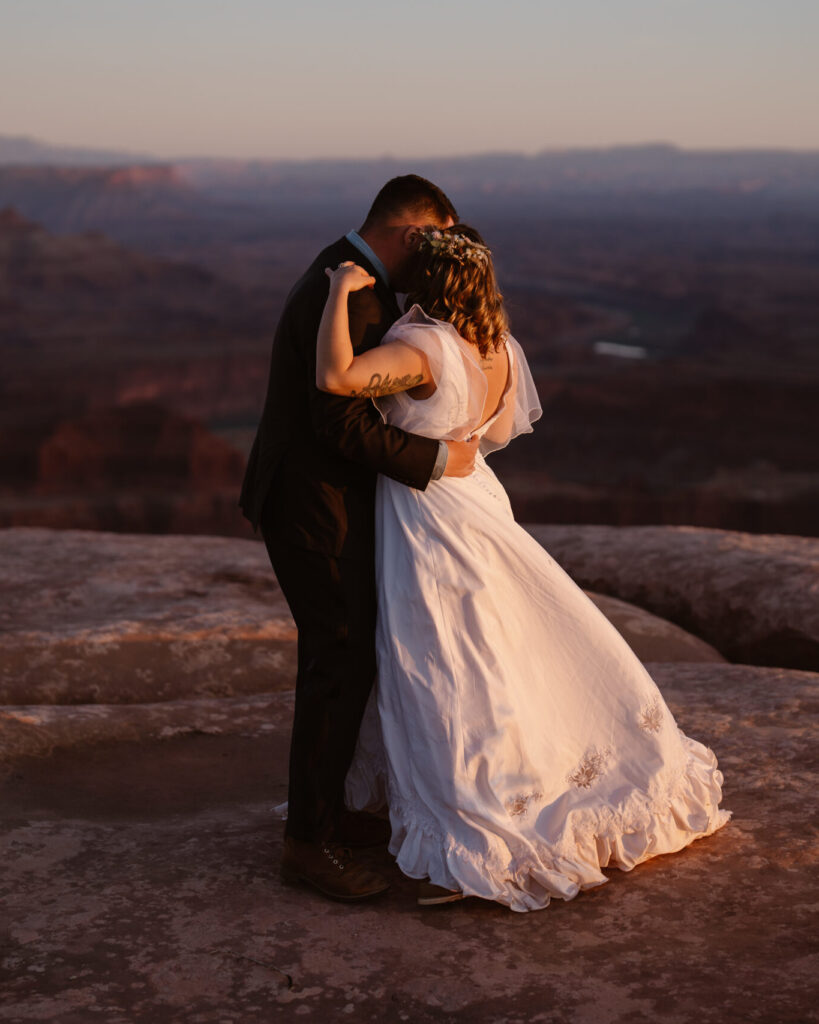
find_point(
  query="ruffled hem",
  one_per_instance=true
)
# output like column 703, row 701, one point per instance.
column 683, row 808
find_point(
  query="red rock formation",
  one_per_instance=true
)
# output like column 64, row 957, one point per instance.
column 132, row 447
column 12, row 222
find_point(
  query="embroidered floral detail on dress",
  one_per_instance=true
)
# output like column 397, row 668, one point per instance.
column 592, row 765
column 651, row 716
column 519, row 805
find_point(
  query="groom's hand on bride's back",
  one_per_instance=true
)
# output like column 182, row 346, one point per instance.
column 460, row 460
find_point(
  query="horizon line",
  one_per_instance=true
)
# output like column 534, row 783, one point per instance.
column 648, row 144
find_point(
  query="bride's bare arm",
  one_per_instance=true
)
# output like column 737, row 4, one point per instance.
column 381, row 371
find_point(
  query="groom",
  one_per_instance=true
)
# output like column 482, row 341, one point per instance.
column 310, row 486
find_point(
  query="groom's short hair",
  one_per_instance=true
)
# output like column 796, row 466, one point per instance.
column 411, row 194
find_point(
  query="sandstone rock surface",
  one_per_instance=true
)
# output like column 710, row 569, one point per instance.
column 650, row 637
column 109, row 618
column 146, row 684
column 755, row 597
column 104, row 618
column 140, row 885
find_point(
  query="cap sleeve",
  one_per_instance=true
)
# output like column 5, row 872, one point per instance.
column 452, row 411
column 520, row 407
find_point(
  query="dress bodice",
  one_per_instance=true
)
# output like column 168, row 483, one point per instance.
column 455, row 409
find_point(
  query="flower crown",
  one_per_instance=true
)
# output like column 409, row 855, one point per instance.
column 456, row 247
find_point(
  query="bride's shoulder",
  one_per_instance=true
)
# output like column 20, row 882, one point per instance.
column 416, row 322
column 416, row 315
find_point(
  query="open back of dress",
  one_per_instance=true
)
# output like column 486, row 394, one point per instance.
column 455, row 409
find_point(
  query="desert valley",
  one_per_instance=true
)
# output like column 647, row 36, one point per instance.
column 668, row 302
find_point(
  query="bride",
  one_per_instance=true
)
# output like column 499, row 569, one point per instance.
column 518, row 742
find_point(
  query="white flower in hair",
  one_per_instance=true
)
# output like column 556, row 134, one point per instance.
column 456, row 247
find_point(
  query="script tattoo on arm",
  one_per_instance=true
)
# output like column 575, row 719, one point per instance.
column 386, row 385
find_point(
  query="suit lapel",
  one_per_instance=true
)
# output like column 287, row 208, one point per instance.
column 387, row 296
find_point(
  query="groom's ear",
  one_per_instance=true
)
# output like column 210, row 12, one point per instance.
column 410, row 237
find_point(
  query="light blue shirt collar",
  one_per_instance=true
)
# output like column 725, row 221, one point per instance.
column 355, row 239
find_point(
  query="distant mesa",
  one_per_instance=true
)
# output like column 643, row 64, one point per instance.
column 118, row 199
column 129, row 177
column 35, row 261
column 136, row 175
column 13, row 222
column 141, row 175
column 22, row 149
column 654, row 171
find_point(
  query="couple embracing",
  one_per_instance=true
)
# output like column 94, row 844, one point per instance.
column 450, row 673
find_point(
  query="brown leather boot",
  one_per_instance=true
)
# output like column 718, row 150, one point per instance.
column 330, row 869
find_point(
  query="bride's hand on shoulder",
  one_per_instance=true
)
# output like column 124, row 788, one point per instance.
column 384, row 370
column 348, row 276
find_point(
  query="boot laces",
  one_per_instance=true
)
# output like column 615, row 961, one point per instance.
column 340, row 856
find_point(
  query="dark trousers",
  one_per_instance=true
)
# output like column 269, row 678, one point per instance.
column 333, row 603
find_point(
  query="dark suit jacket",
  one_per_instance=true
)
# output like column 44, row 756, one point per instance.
column 316, row 456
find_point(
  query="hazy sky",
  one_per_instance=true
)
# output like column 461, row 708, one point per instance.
column 361, row 78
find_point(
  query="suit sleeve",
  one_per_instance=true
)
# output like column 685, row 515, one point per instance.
column 352, row 427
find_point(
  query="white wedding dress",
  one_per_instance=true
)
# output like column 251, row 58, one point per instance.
column 517, row 740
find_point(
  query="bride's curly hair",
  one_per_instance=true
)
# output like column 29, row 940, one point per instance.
column 454, row 280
